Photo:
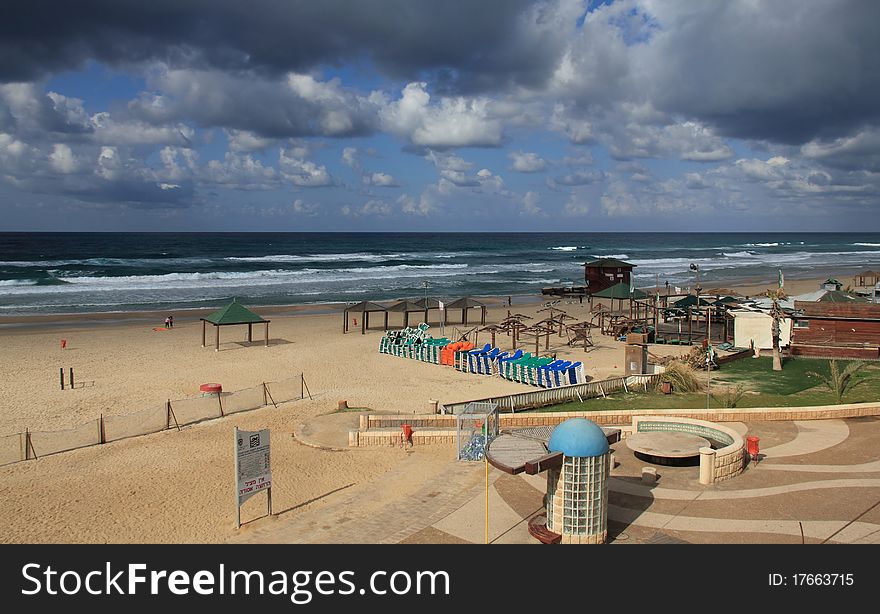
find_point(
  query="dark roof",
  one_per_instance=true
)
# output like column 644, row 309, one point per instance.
column 838, row 296
column 406, row 306
column 433, row 303
column 233, row 313
column 365, row 306
column 831, row 280
column 691, row 301
column 620, row 291
column 608, row 263
column 465, row 303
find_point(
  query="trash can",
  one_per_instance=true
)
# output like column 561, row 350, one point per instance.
column 752, row 447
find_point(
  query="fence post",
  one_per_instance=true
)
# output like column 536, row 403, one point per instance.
column 169, row 415
column 101, row 429
column 265, row 400
column 61, row 376
column 302, row 385
column 220, row 403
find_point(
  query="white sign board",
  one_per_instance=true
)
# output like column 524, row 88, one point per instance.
column 252, row 466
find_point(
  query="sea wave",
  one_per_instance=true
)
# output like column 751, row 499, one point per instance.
column 564, row 248
column 271, row 277
column 618, row 256
column 867, row 244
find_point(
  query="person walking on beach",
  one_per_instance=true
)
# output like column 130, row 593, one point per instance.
column 167, row 321
column 170, row 321
column 509, row 301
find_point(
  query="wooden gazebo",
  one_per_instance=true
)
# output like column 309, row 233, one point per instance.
column 428, row 303
column 466, row 303
column 233, row 314
column 365, row 308
column 866, row 278
column 406, row 307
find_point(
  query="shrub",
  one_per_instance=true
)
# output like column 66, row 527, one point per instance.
column 682, row 377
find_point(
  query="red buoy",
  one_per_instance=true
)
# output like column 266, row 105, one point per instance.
column 211, row 388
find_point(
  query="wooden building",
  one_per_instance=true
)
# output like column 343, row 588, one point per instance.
column 843, row 330
column 605, row 273
column 866, row 279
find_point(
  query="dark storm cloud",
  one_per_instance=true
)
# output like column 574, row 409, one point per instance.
column 786, row 70
column 468, row 44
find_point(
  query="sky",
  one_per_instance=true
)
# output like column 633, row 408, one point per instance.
column 410, row 115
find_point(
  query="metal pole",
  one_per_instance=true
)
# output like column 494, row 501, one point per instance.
column 487, row 496
column 235, row 479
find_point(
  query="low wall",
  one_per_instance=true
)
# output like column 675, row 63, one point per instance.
column 393, row 438
column 620, row 418
column 716, row 465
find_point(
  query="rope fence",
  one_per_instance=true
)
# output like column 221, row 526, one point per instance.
column 172, row 414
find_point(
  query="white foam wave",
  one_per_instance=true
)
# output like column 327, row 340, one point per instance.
column 17, row 282
column 618, row 256
column 565, row 248
column 867, row 244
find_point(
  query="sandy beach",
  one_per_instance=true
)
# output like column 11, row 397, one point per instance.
column 176, row 486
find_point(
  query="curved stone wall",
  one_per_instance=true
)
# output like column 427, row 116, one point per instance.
column 716, row 465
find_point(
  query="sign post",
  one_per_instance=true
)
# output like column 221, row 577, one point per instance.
column 253, row 472
column 442, row 316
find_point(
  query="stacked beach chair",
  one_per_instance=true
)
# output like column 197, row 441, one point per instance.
column 413, row 343
column 519, row 366
column 541, row 371
column 483, row 361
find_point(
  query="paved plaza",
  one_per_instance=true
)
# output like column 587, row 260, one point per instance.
column 817, row 481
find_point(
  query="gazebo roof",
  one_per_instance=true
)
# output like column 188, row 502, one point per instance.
column 406, row 306
column 233, row 313
column 432, row 302
column 621, row 292
column 465, row 303
column 366, row 306
column 691, row 301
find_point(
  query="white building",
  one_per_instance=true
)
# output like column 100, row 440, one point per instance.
column 757, row 327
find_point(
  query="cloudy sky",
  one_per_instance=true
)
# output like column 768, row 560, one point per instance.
column 459, row 115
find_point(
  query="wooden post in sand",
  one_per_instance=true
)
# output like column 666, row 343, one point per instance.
column 250, row 336
column 267, row 334
column 204, row 325
column 101, row 435
column 217, row 339
column 61, row 375
column 71, row 377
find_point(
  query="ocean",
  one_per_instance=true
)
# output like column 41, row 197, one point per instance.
column 44, row 273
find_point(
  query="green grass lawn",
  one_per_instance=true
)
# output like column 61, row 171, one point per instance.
column 791, row 387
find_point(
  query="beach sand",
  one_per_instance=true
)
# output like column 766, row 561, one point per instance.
column 177, row 486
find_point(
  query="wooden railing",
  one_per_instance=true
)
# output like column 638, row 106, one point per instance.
column 543, row 397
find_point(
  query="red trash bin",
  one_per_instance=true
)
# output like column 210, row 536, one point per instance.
column 407, row 432
column 752, row 447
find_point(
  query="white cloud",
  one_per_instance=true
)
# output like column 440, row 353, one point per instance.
column 380, row 179
column 525, row 162
column 453, row 122
column 303, row 173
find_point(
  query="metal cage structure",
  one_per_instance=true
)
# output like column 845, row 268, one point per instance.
column 476, row 426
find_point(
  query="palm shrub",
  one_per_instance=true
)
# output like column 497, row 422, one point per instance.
column 682, row 377
column 840, row 382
